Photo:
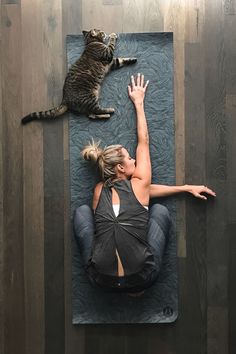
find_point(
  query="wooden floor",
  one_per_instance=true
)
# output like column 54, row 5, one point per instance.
column 35, row 262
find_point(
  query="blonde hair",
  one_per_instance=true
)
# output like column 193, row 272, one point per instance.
column 106, row 158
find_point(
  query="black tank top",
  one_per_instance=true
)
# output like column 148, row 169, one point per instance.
column 126, row 233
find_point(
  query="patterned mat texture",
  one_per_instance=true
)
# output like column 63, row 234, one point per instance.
column 154, row 52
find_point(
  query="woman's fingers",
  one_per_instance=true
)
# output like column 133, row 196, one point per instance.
column 146, row 85
column 138, row 79
column 142, row 80
column 138, row 83
column 209, row 191
column 198, row 190
column 132, row 81
column 201, row 196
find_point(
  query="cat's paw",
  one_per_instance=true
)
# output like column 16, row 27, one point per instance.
column 110, row 110
column 113, row 35
column 99, row 116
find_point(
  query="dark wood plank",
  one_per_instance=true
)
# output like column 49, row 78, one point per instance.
column 54, row 238
column 143, row 16
column 136, row 339
column 231, row 232
column 216, row 132
column 174, row 15
column 74, row 335
column 91, row 16
column 216, row 163
column 104, row 339
column 231, row 148
column 230, row 48
column 203, row 221
column 194, row 21
column 54, row 275
column 53, row 182
column 196, row 272
column 112, row 2
column 1, row 208
column 217, row 323
column 10, row 2
column 71, row 18
column 216, row 177
column 33, row 239
column 181, row 328
column 33, row 97
column 230, row 7
column 231, row 218
column 13, row 266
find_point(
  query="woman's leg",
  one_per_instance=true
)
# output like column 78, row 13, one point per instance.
column 158, row 230
column 84, row 230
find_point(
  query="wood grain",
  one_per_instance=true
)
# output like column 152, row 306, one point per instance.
column 230, row 53
column 217, row 319
column 174, row 20
column 216, row 162
column 196, row 272
column 231, row 148
column 53, row 181
column 13, row 266
column 207, row 71
column 195, row 20
column 34, row 94
column 230, row 7
column 98, row 15
column 1, row 207
column 142, row 16
column 231, row 232
column 74, row 335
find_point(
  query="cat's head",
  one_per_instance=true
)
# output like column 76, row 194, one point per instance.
column 94, row 35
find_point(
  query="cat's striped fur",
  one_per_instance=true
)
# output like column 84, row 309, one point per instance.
column 83, row 81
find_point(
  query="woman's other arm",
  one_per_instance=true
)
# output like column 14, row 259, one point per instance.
column 160, row 190
column 137, row 92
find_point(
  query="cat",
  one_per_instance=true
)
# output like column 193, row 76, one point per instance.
column 83, row 81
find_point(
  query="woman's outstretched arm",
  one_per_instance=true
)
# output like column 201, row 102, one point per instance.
column 137, row 90
column 160, row 190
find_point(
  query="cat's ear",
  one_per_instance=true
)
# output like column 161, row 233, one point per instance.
column 93, row 33
column 85, row 33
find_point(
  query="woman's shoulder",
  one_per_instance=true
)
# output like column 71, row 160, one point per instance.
column 140, row 190
column 96, row 194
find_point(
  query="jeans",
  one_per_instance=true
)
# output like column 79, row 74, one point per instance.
column 158, row 230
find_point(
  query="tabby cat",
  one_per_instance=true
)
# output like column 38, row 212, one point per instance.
column 83, row 81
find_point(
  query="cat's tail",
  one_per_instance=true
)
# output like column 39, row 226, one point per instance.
column 47, row 115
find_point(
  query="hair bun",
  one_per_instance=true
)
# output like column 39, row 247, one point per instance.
column 92, row 151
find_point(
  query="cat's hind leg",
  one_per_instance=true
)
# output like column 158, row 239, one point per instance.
column 99, row 112
column 119, row 62
column 98, row 116
column 102, row 113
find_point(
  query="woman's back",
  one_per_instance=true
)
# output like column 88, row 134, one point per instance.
column 125, row 233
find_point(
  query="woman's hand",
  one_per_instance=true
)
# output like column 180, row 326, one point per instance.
column 161, row 190
column 197, row 191
column 137, row 89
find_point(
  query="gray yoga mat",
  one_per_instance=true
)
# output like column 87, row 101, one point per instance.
column 154, row 53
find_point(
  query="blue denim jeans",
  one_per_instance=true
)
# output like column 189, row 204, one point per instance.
column 158, row 230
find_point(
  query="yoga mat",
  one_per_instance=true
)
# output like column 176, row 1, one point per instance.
column 154, row 53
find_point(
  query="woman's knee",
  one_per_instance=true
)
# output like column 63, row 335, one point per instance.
column 83, row 215
column 161, row 215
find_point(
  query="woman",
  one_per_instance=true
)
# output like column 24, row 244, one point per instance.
column 126, row 252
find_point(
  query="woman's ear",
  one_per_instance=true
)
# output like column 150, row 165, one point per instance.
column 120, row 168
